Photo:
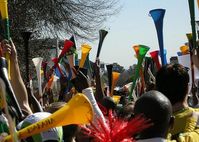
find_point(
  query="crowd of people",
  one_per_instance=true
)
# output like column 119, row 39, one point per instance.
column 162, row 112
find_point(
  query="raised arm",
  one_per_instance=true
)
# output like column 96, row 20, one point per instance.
column 16, row 79
column 99, row 92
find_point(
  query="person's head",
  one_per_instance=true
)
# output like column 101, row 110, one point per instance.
column 69, row 131
column 172, row 80
column 156, row 107
column 126, row 112
column 150, row 86
column 50, row 135
column 108, row 103
column 53, row 107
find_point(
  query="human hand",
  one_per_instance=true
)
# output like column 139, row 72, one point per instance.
column 2, row 136
column 97, row 66
column 8, row 47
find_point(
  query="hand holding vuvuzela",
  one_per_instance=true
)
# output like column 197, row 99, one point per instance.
column 193, row 24
column 5, row 23
column 77, row 111
column 9, row 90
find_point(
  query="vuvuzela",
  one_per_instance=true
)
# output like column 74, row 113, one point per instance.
column 37, row 62
column 193, row 24
column 26, row 37
column 85, row 50
column 77, row 111
column 9, row 90
column 102, row 35
column 136, row 49
column 184, row 49
column 71, row 63
column 158, row 16
column 67, row 45
column 5, row 20
column 155, row 57
column 115, row 77
column 109, row 73
column 198, row 3
column 142, row 52
column 191, row 47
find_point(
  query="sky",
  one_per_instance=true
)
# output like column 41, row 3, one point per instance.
column 133, row 25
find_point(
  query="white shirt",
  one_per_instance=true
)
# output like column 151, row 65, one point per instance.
column 152, row 140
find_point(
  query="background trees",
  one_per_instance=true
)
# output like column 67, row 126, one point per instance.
column 56, row 19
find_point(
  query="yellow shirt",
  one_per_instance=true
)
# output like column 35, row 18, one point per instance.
column 185, row 125
column 189, row 136
column 183, row 121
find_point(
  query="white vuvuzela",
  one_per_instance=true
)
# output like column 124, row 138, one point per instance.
column 37, row 62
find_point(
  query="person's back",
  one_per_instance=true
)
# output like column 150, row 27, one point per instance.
column 173, row 80
column 156, row 107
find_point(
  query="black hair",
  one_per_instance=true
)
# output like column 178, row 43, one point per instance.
column 108, row 103
column 70, row 132
column 172, row 80
column 126, row 112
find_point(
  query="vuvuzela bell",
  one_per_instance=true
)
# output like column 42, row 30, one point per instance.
column 158, row 16
column 85, row 50
column 115, row 77
column 77, row 111
column 154, row 56
column 142, row 52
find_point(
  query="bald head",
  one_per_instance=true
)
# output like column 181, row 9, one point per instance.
column 156, row 107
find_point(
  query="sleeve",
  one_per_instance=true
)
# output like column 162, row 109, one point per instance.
column 189, row 136
column 98, row 113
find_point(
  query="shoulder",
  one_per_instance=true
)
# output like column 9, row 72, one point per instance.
column 187, row 112
column 195, row 115
column 185, row 121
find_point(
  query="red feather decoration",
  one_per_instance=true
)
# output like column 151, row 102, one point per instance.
column 117, row 130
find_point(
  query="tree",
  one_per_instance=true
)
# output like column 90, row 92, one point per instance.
column 56, row 18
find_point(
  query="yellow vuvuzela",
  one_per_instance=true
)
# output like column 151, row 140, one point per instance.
column 184, row 49
column 115, row 77
column 85, row 50
column 198, row 3
column 77, row 111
